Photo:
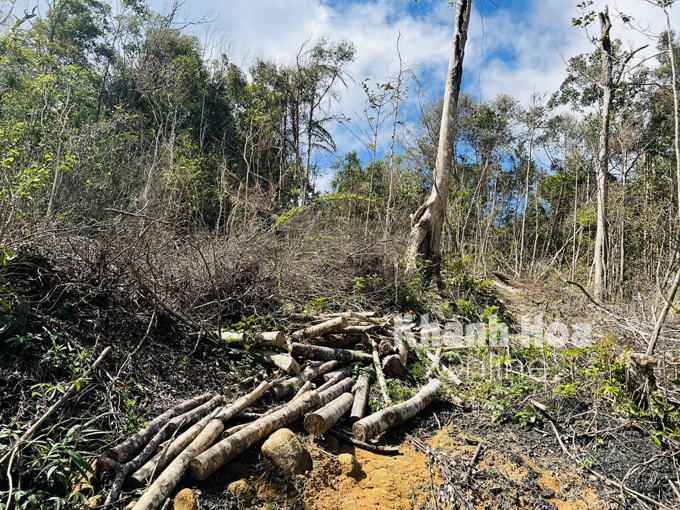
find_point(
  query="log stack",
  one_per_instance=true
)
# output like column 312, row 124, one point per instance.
column 195, row 436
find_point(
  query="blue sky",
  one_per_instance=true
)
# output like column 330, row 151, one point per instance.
column 514, row 48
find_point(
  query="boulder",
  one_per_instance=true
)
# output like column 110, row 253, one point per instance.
column 287, row 453
column 244, row 492
column 185, row 500
column 349, row 465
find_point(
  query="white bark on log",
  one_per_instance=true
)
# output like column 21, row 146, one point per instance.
column 335, row 391
column 395, row 365
column 219, row 454
column 308, row 374
column 174, row 473
column 360, row 398
column 330, row 326
column 389, row 417
column 319, row 421
column 124, row 451
column 261, row 339
column 379, row 374
column 144, row 474
column 385, row 347
column 329, row 353
column 334, row 378
column 283, row 361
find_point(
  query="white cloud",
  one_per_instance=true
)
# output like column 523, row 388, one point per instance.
column 530, row 32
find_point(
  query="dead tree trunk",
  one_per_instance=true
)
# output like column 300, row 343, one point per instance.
column 329, row 353
column 381, row 421
column 428, row 221
column 203, row 465
column 607, row 86
column 318, row 422
column 172, row 475
column 124, row 451
column 360, row 397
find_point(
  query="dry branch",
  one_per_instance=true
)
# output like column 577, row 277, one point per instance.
column 172, row 475
column 390, row 450
column 319, row 421
column 387, row 418
column 219, row 454
column 329, row 353
column 124, row 451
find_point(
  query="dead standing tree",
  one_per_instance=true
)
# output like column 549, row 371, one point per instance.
column 428, row 221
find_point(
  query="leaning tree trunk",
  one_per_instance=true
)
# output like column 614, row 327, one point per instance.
column 428, row 221
column 381, row 421
column 607, row 86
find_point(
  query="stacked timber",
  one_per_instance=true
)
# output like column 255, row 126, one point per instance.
column 315, row 364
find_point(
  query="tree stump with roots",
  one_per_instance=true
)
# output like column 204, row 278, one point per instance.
column 640, row 379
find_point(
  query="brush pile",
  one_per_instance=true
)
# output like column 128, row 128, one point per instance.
column 198, row 436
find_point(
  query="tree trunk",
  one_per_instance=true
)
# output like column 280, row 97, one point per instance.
column 428, row 221
column 203, row 465
column 174, row 473
column 389, row 417
column 360, row 397
column 124, row 451
column 607, row 86
column 318, row 422
column 328, row 353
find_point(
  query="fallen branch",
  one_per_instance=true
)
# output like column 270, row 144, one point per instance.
column 391, row 450
column 379, row 373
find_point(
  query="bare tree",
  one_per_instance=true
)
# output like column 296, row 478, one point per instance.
column 428, row 221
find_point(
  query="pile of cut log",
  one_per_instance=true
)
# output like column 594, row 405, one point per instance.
column 193, row 435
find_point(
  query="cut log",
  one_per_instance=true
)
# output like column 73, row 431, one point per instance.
column 308, row 374
column 379, row 373
column 145, row 474
column 330, row 326
column 208, row 462
column 334, row 378
column 360, row 348
column 335, row 391
column 125, row 450
column 283, row 361
column 319, row 421
column 329, row 353
column 363, row 317
column 385, row 347
column 395, row 365
column 174, row 473
column 190, row 417
column 360, row 397
column 379, row 422
column 338, row 341
column 261, row 339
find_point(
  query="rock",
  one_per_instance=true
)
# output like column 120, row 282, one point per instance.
column 97, row 500
column 130, row 505
column 185, row 500
column 349, row 465
column 287, row 453
column 244, row 492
